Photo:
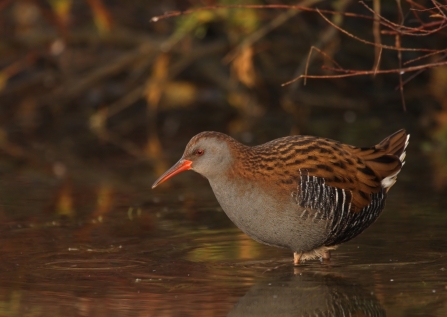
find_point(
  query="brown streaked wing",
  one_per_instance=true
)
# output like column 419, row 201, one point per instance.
column 353, row 169
column 318, row 157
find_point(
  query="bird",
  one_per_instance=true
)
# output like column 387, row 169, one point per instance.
column 304, row 193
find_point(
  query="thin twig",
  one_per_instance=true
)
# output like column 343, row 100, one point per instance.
column 241, row 6
column 372, row 43
column 327, row 35
column 399, row 54
column 313, row 48
column 353, row 72
column 376, row 34
column 426, row 56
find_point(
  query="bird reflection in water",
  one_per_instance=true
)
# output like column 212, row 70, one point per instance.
column 308, row 294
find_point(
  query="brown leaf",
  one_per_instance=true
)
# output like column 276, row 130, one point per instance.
column 243, row 67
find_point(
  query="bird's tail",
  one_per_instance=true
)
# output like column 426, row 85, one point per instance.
column 389, row 157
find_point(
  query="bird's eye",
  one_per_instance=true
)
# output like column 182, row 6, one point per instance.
column 199, row 152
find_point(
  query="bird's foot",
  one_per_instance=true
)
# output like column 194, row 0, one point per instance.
column 296, row 258
column 326, row 256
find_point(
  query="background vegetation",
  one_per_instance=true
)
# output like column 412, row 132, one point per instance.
column 105, row 81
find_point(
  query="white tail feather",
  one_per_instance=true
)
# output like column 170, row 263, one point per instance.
column 389, row 181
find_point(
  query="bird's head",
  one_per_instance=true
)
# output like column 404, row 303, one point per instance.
column 207, row 153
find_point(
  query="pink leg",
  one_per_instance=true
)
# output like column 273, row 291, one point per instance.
column 296, row 258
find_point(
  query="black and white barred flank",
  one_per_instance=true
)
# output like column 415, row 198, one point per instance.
column 331, row 204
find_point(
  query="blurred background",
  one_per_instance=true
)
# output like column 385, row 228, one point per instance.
column 97, row 80
column 98, row 98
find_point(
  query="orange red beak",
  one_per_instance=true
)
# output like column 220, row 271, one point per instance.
column 180, row 166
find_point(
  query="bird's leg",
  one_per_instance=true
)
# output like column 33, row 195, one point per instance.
column 297, row 257
column 326, row 256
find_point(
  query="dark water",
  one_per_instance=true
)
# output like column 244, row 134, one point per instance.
column 97, row 244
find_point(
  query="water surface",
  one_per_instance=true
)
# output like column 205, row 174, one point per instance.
column 99, row 244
